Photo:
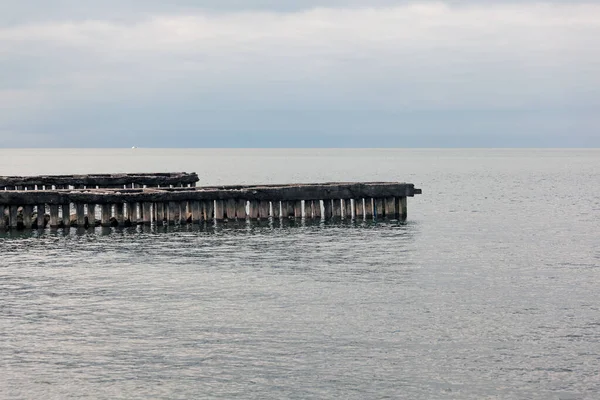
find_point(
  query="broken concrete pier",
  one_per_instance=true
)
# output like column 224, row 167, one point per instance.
column 130, row 199
column 94, row 181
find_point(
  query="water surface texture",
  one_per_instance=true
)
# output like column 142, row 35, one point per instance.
column 489, row 290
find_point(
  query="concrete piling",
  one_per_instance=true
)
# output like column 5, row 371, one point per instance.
column 120, row 214
column 230, row 208
column 337, row 209
column 172, row 212
column 316, row 209
column 359, row 210
column 131, row 212
column 240, row 209
column 2, row 217
column 327, row 209
column 276, row 209
column 219, row 210
column 147, row 215
column 27, row 215
column 390, row 207
column 53, row 216
column 105, row 215
column 80, row 214
column 13, row 213
column 285, row 209
column 66, row 215
column 197, row 215
column 254, row 210
column 347, row 207
column 41, row 216
column 298, row 209
column 91, row 215
column 308, row 209
column 378, row 208
column 369, row 211
column 403, row 208
column 264, row 208
column 160, row 212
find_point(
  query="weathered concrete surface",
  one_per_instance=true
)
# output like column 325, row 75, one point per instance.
column 100, row 180
column 328, row 191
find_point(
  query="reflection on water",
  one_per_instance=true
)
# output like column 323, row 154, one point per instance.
column 249, row 226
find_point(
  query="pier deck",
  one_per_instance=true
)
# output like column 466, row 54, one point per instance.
column 173, row 204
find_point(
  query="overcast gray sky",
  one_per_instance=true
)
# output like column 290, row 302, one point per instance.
column 316, row 73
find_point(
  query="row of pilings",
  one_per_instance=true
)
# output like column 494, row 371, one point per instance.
column 115, row 207
column 176, row 213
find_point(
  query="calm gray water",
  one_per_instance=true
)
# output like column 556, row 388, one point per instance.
column 490, row 290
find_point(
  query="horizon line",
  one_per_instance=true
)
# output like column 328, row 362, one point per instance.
column 304, row 148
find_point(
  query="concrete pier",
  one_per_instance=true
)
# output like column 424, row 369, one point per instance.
column 174, row 204
column 95, row 181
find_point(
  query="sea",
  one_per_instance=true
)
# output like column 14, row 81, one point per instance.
column 489, row 290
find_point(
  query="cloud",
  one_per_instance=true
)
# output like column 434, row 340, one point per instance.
column 417, row 57
column 68, row 10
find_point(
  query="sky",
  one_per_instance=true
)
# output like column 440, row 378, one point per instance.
column 313, row 73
